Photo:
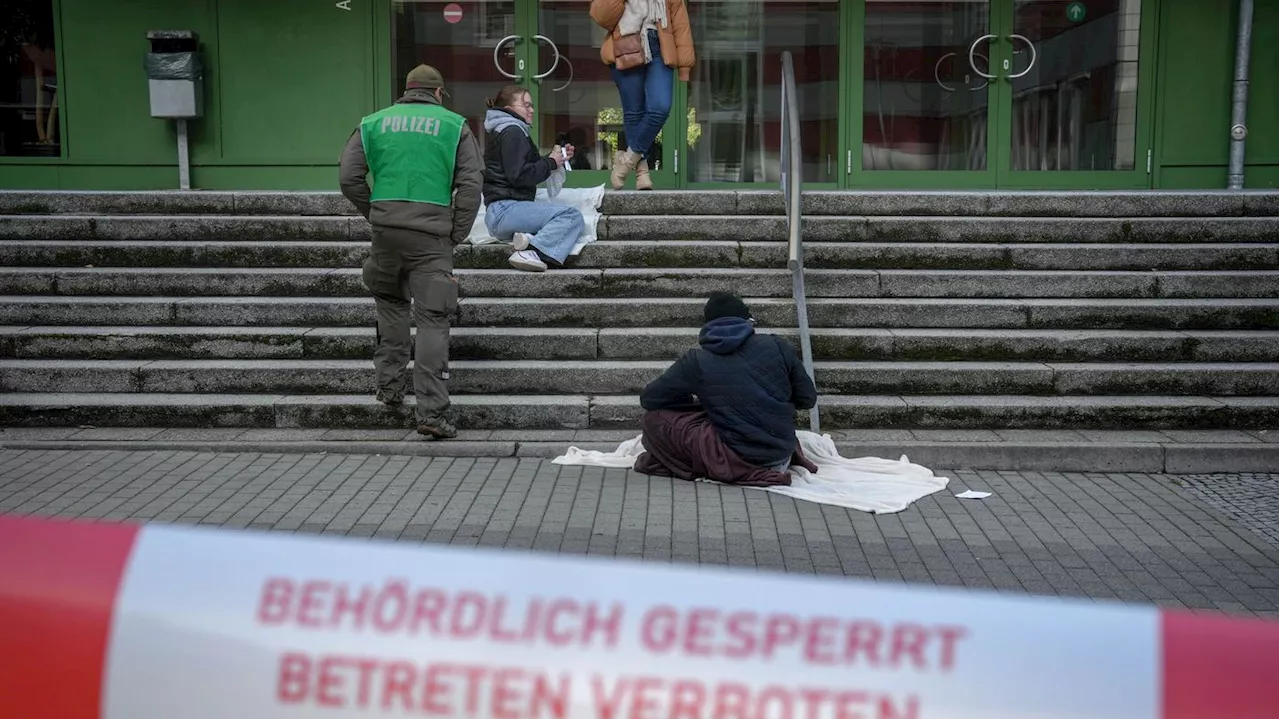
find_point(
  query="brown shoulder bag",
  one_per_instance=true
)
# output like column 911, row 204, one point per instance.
column 628, row 50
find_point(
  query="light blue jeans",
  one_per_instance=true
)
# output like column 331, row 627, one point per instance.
column 553, row 229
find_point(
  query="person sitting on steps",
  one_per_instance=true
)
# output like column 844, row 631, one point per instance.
column 741, row 428
column 513, row 169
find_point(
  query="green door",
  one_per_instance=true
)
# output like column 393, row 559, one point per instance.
column 1000, row 94
column 549, row 47
column 1074, row 93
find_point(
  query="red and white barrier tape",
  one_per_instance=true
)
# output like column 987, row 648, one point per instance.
column 158, row 622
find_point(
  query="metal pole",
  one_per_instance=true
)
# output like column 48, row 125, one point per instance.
column 184, row 162
column 806, row 349
column 1240, row 97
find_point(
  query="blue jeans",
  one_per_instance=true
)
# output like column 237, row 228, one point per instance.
column 553, row 229
column 645, row 93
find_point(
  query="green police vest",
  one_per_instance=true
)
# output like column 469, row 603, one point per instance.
column 411, row 150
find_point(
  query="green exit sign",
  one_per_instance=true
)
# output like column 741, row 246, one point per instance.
column 1075, row 12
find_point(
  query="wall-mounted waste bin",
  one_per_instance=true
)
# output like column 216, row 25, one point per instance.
column 175, row 74
column 175, row 78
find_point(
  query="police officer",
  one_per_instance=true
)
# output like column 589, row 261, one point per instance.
column 427, row 173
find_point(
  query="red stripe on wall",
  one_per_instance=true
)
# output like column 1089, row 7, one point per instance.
column 1217, row 666
column 58, row 585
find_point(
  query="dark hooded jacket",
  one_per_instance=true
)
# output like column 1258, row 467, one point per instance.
column 513, row 169
column 749, row 384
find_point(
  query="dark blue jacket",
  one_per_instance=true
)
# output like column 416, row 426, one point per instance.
column 750, row 385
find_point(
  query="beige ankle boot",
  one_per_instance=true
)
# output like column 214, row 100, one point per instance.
column 623, row 163
column 643, row 181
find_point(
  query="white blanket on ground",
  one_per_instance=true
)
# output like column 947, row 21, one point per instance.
column 587, row 200
column 868, row 484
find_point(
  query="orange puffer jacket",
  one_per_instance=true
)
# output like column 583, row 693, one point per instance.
column 676, row 39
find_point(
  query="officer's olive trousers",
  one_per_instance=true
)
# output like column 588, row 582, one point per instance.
column 407, row 267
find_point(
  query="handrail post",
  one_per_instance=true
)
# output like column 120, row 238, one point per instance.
column 791, row 173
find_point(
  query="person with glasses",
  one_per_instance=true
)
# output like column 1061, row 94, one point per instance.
column 539, row 232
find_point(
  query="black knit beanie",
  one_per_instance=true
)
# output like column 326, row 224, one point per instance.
column 725, row 304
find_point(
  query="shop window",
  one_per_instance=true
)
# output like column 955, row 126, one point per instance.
column 28, row 81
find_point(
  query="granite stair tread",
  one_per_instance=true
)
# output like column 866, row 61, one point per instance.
column 603, row 377
column 618, row 411
column 630, row 343
column 650, row 282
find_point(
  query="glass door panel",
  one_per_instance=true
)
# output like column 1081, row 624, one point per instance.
column 577, row 100
column 734, row 110
column 460, row 44
column 1072, row 84
column 926, row 94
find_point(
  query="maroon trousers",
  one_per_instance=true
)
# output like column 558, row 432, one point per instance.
column 686, row 445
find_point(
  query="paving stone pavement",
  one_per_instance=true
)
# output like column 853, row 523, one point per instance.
column 1135, row 537
column 1249, row 498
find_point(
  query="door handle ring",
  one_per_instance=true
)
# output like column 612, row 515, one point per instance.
column 938, row 66
column 1030, row 46
column 554, row 63
column 515, row 39
column 972, row 48
column 566, row 82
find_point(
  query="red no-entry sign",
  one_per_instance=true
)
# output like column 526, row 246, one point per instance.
column 452, row 13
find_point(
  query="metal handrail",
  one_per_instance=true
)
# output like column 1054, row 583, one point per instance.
column 792, row 173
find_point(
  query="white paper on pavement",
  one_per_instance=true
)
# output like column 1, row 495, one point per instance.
column 586, row 200
column 973, row 494
column 868, row 484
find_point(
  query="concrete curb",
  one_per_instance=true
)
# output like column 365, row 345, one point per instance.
column 1157, row 458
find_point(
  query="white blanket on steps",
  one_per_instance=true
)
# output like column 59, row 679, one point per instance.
column 586, row 199
column 868, row 484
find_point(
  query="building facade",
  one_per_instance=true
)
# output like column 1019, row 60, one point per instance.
column 919, row 94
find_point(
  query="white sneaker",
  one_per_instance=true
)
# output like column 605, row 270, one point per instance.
column 520, row 241
column 527, row 260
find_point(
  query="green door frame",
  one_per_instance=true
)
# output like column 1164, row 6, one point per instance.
column 998, row 172
column 526, row 50
column 680, row 118
column 675, row 155
column 856, row 177
column 1139, row 177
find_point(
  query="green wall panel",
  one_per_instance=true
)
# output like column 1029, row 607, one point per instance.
column 105, row 89
column 29, row 177
column 297, row 75
column 1199, row 178
column 295, row 177
column 1195, row 89
column 142, row 177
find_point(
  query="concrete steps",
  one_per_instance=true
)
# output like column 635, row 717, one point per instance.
column 600, row 377
column 1218, row 313
column 662, row 282
column 953, row 311
column 683, row 227
column 671, row 254
column 1166, row 203
column 581, row 411
column 639, row 343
